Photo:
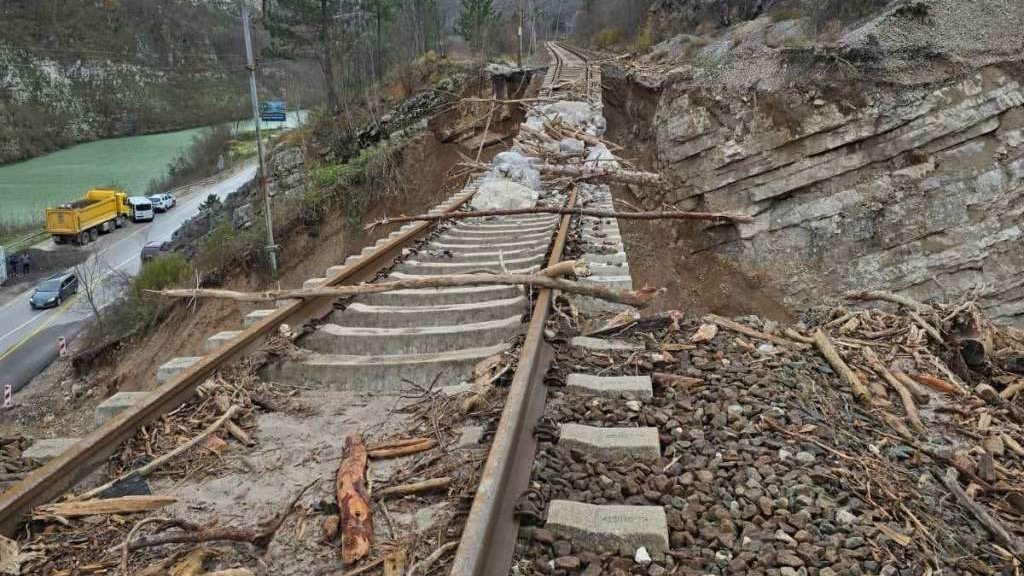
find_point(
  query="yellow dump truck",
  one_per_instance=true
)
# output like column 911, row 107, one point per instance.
column 82, row 221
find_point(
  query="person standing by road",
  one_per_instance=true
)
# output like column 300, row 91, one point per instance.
column 26, row 263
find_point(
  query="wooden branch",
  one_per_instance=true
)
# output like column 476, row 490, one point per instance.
column 602, row 174
column 921, row 395
column 123, row 505
column 423, row 445
column 1012, row 390
column 937, row 384
column 636, row 298
column 353, row 501
column 223, row 404
column 259, row 537
column 901, row 389
column 144, row 470
column 994, row 527
column 746, row 330
column 824, row 344
column 794, row 335
column 931, row 330
column 416, row 488
column 658, row 215
column 888, row 297
column 424, row 566
column 394, row 443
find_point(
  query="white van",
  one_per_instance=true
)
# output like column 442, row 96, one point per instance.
column 142, row 208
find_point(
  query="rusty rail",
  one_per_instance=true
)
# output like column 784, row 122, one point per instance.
column 63, row 472
column 488, row 539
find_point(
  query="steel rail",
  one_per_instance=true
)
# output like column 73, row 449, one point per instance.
column 63, row 472
column 488, row 539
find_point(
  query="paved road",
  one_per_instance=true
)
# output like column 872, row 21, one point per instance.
column 28, row 338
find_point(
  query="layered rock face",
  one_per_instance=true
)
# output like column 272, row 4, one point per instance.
column 915, row 188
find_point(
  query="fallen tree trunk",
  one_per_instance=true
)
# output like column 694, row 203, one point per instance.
column 660, row 215
column 353, row 501
column 636, row 298
column 603, row 174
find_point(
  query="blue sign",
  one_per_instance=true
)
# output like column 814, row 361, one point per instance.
column 273, row 111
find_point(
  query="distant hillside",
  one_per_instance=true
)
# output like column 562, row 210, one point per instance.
column 79, row 71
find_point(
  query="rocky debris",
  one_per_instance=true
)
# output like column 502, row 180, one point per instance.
column 411, row 111
column 770, row 466
column 580, row 115
column 503, row 195
column 518, row 168
column 12, row 463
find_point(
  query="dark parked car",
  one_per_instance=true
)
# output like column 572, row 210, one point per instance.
column 153, row 249
column 52, row 291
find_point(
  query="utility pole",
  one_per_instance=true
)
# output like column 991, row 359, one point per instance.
column 251, row 65
column 519, row 55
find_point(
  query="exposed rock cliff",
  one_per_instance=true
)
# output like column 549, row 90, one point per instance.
column 890, row 158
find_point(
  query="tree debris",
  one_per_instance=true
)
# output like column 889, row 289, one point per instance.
column 123, row 505
column 353, row 501
column 637, row 298
column 432, row 485
column 148, row 468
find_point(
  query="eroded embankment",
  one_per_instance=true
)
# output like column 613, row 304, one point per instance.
column 669, row 253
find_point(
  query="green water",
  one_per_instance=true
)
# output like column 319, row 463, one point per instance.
column 27, row 188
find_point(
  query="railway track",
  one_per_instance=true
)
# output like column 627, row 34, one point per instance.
column 375, row 344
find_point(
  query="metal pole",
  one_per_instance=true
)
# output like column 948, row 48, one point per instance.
column 251, row 65
column 519, row 55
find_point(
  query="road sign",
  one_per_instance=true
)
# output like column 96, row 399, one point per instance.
column 62, row 347
column 8, row 396
column 273, row 111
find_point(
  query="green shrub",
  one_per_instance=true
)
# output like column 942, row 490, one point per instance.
column 140, row 309
column 645, row 39
column 352, row 185
column 607, row 38
column 164, row 271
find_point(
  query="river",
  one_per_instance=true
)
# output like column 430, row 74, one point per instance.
column 27, row 188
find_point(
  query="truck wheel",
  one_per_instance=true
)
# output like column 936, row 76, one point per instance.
column 58, row 239
column 82, row 239
column 120, row 221
column 94, row 234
